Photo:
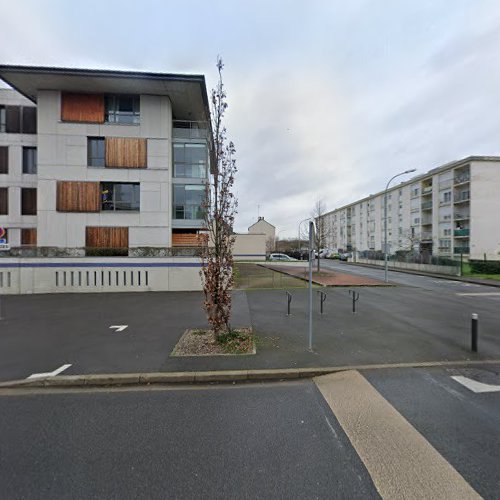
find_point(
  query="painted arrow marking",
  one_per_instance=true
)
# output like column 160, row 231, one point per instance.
column 475, row 386
column 50, row 374
column 119, row 328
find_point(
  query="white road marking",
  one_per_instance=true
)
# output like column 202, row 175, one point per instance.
column 50, row 374
column 119, row 328
column 475, row 386
column 480, row 294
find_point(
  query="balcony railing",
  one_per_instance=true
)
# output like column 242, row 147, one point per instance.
column 459, row 250
column 426, row 190
column 462, row 217
column 426, row 236
column 461, row 178
column 183, row 129
column 461, row 232
column 462, row 197
column 427, row 205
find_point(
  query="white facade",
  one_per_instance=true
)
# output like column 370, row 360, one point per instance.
column 172, row 111
column 449, row 211
column 63, row 157
column 14, row 180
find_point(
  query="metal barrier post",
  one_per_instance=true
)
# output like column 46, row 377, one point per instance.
column 474, row 331
column 289, row 301
column 322, row 298
column 355, row 298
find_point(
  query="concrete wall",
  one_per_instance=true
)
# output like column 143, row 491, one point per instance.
column 485, row 211
column 62, row 155
column 15, row 179
column 93, row 275
column 250, row 247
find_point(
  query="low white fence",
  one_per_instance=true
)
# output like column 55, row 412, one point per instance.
column 427, row 268
column 94, row 274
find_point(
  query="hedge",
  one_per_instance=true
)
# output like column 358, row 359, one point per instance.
column 485, row 266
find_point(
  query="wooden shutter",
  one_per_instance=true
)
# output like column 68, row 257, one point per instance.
column 4, row 160
column 4, row 201
column 29, row 120
column 28, row 201
column 75, row 196
column 13, row 119
column 106, row 237
column 28, row 236
column 186, row 240
column 82, row 107
column 123, row 152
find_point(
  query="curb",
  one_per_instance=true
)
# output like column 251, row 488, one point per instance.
column 223, row 376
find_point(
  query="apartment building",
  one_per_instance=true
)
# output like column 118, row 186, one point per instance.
column 18, row 168
column 449, row 211
column 102, row 159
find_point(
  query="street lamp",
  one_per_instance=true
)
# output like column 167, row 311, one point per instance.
column 385, row 217
column 300, row 223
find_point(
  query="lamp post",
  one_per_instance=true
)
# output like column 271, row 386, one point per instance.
column 385, row 217
column 300, row 223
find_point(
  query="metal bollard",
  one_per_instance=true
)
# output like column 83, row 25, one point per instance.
column 355, row 298
column 289, row 300
column 474, row 331
column 322, row 298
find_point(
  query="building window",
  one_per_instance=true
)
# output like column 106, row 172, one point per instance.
column 188, row 201
column 2, row 119
column 122, row 109
column 96, row 151
column 447, row 217
column 447, row 197
column 444, row 244
column 29, row 160
column 447, row 232
column 416, row 220
column 28, row 201
column 4, row 201
column 190, row 160
column 117, row 196
column 4, row 160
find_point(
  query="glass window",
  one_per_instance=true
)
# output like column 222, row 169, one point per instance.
column 447, row 196
column 2, row 119
column 190, row 161
column 29, row 160
column 120, row 196
column 96, row 151
column 4, row 201
column 28, row 201
column 188, row 201
column 4, row 159
column 122, row 109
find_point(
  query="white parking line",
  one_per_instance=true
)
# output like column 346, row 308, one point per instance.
column 50, row 374
column 476, row 386
column 480, row 294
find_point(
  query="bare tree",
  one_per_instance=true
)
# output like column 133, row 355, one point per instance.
column 412, row 240
column 322, row 228
column 219, row 211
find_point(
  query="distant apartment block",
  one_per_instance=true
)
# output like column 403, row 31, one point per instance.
column 449, row 211
column 102, row 159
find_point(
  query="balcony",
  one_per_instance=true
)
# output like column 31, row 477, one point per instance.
column 183, row 129
column 426, row 190
column 426, row 205
column 460, row 250
column 462, row 197
column 461, row 216
column 462, row 178
column 426, row 236
column 460, row 233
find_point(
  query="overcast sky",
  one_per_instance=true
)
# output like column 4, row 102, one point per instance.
column 327, row 99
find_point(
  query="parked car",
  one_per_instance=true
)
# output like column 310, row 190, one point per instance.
column 281, row 257
column 345, row 256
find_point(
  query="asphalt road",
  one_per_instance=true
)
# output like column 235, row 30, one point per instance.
column 235, row 442
column 422, row 319
column 278, row 440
